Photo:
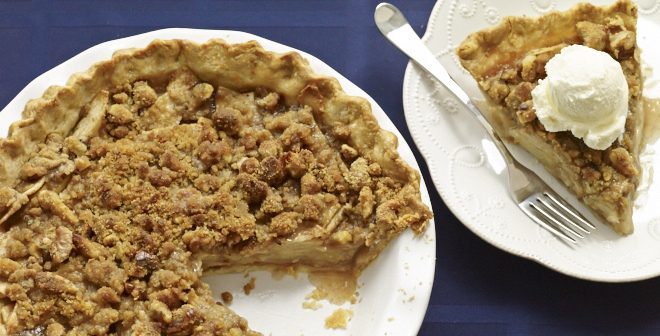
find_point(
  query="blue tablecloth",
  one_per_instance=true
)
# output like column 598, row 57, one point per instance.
column 478, row 289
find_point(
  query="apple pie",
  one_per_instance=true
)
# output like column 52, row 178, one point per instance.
column 508, row 61
column 119, row 189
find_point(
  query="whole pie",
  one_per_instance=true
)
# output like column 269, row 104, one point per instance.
column 119, row 189
column 509, row 59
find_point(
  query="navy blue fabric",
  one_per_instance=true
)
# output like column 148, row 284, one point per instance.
column 478, row 289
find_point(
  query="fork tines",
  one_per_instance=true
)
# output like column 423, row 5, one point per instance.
column 556, row 216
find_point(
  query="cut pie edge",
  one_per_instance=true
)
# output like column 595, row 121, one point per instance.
column 484, row 54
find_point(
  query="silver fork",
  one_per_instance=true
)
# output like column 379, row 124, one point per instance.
column 533, row 196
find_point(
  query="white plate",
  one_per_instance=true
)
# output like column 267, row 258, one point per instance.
column 450, row 142
column 393, row 292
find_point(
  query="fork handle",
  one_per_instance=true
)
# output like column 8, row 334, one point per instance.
column 394, row 26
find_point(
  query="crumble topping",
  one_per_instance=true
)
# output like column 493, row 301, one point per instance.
column 338, row 319
column 226, row 297
column 249, row 286
column 156, row 176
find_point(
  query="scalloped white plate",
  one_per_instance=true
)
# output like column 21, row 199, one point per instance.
column 393, row 291
column 450, row 142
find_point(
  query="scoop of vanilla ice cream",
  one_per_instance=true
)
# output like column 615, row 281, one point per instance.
column 585, row 92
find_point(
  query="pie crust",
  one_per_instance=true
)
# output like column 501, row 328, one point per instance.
column 507, row 61
column 120, row 188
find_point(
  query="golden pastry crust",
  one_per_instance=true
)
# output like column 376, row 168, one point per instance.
column 508, row 60
column 485, row 52
column 119, row 188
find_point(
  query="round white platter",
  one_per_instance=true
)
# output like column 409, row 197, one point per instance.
column 393, row 291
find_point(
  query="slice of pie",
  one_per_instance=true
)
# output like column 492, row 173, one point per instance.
column 118, row 190
column 509, row 59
